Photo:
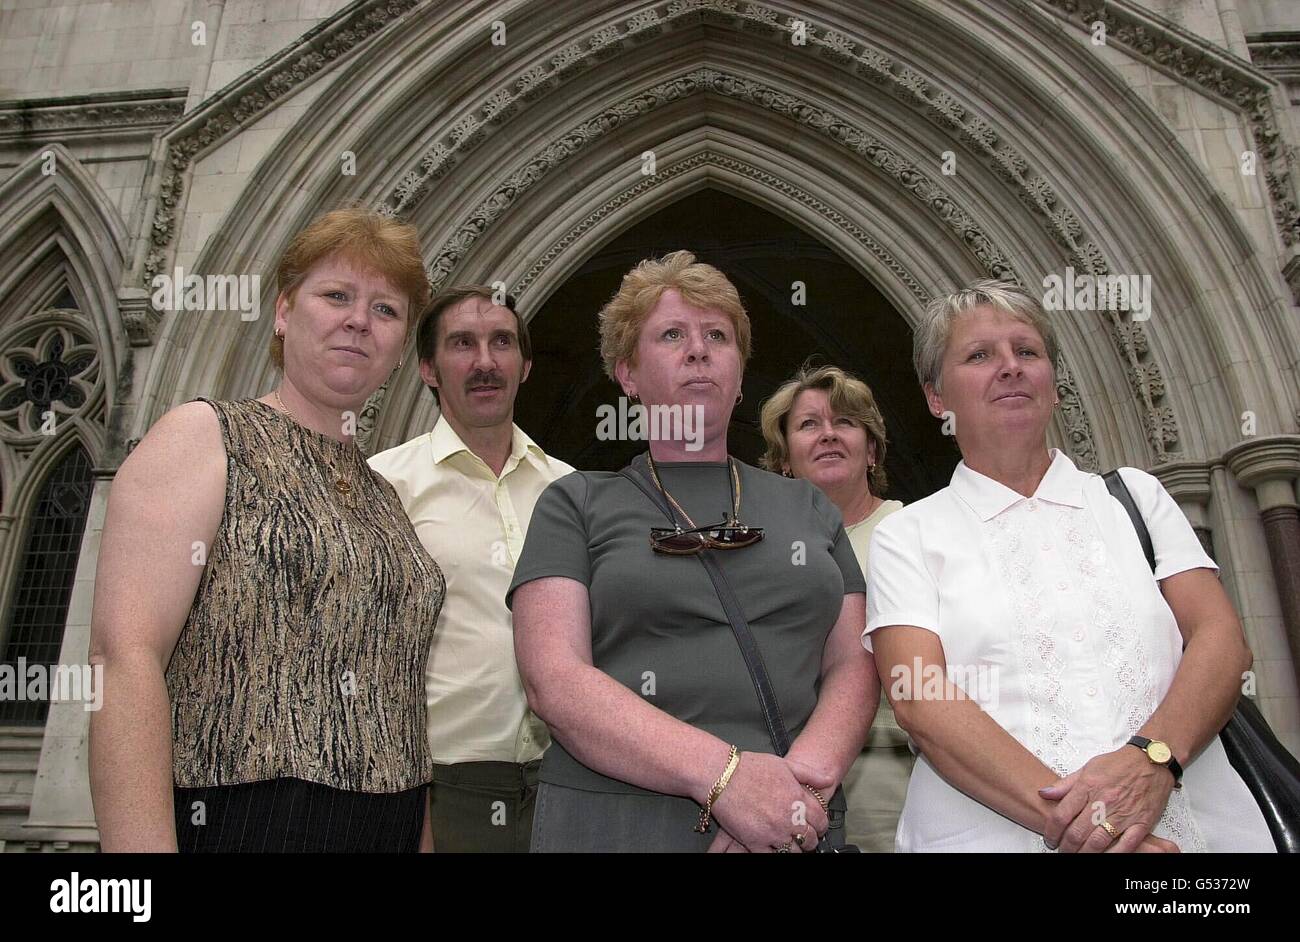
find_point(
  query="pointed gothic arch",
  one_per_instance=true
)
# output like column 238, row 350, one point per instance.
column 447, row 157
column 38, row 579
column 62, row 344
column 66, row 234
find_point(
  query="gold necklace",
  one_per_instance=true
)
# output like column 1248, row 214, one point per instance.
column 343, row 486
column 735, row 493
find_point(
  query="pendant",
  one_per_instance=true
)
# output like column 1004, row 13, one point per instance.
column 343, row 487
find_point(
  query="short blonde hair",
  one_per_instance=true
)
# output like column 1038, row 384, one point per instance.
column 848, row 396
column 930, row 341
column 365, row 238
column 700, row 285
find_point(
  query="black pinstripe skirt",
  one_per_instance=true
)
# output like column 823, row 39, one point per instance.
column 289, row 815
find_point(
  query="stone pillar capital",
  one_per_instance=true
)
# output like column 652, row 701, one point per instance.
column 1187, row 482
column 1268, row 465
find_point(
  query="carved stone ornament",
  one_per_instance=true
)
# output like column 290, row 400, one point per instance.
column 1073, row 414
column 1291, row 271
column 106, row 112
column 665, row 175
column 1078, row 430
column 1192, row 59
column 49, row 371
column 139, row 316
column 1277, row 56
column 938, row 106
column 245, row 100
column 369, row 418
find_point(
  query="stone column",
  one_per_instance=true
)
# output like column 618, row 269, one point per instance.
column 1188, row 482
column 1270, row 466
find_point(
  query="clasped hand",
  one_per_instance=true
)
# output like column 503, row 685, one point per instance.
column 1124, row 789
column 766, row 806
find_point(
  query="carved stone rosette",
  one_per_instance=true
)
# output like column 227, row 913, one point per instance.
column 49, row 371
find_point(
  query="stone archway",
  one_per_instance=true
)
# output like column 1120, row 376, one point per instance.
column 922, row 106
column 840, row 317
column 517, row 171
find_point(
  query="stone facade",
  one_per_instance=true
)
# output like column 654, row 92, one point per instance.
column 1154, row 137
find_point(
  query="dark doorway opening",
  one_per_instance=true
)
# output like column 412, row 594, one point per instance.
column 844, row 321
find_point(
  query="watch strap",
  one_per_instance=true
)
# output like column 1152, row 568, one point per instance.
column 1172, row 765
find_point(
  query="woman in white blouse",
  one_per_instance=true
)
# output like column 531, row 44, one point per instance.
column 1021, row 638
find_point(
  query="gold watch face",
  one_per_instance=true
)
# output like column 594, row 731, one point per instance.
column 1158, row 752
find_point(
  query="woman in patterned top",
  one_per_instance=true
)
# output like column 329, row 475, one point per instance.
column 264, row 616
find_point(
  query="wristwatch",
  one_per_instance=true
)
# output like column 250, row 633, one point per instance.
column 1160, row 753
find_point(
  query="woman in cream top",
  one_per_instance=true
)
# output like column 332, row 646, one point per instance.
column 823, row 425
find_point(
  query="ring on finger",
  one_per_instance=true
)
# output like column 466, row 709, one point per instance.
column 782, row 848
column 1110, row 829
column 800, row 838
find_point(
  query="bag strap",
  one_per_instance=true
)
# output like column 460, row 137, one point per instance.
column 1119, row 490
column 739, row 627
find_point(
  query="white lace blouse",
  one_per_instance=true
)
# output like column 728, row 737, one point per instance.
column 1050, row 619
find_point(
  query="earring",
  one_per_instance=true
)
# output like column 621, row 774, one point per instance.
column 785, row 473
column 400, row 361
column 280, row 334
column 740, row 398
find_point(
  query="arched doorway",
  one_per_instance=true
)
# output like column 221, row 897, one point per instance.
column 843, row 319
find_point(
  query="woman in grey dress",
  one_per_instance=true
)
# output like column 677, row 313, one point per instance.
column 624, row 649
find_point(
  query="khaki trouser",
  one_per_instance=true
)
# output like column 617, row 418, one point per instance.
column 483, row 807
column 876, row 785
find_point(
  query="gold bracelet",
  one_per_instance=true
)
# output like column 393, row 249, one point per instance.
column 820, row 800
column 733, row 760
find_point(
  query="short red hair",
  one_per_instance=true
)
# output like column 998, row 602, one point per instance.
column 367, row 239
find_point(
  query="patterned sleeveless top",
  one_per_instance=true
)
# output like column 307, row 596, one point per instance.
column 304, row 652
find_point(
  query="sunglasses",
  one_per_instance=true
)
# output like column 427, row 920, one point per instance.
column 730, row 534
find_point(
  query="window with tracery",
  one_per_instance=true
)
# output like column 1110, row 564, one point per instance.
column 50, row 379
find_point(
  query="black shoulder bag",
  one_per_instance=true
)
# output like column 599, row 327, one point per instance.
column 767, row 701
column 1269, row 771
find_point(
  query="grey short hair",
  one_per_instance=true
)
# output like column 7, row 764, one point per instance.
column 930, row 341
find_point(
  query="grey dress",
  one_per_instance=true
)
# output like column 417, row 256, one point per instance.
column 659, row 629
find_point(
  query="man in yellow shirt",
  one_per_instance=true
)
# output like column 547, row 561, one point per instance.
column 469, row 487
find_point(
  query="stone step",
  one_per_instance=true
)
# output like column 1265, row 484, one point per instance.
column 21, row 738
column 19, row 761
column 14, row 810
